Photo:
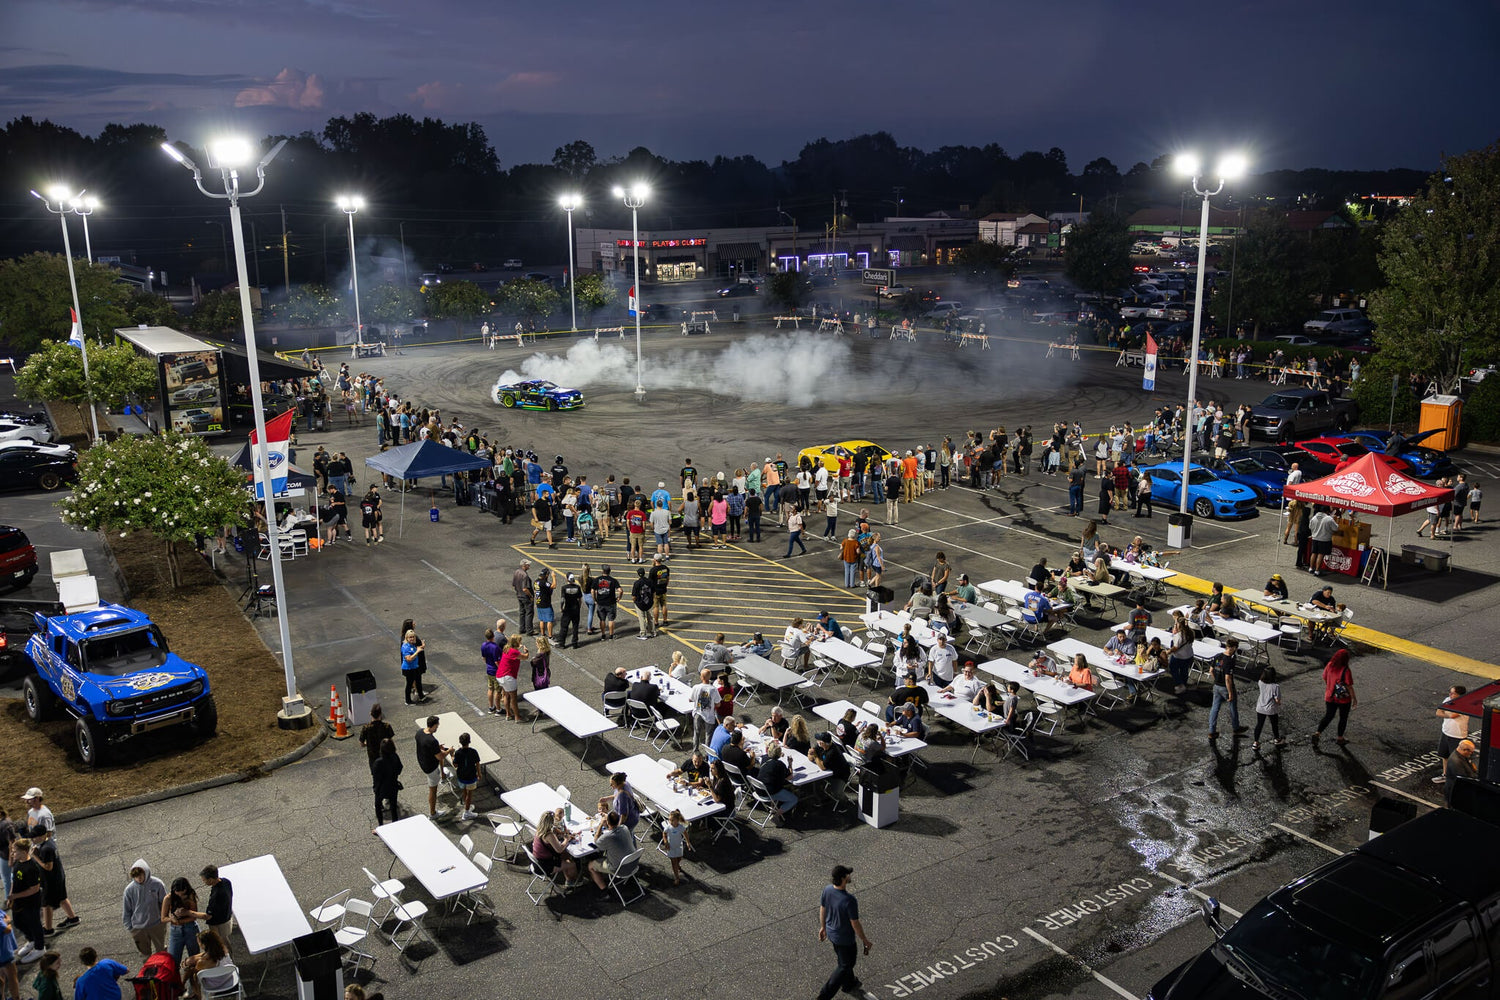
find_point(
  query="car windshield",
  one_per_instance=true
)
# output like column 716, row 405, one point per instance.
column 1304, row 963
column 125, row 652
column 1199, row 477
column 1350, row 448
column 1246, row 465
column 1280, row 402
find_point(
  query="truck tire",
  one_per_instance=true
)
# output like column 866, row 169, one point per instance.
column 37, row 697
column 1203, row 508
column 88, row 736
column 206, row 719
column 1284, row 436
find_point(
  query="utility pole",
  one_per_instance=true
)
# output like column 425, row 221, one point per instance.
column 899, row 200
column 256, row 255
column 286, row 259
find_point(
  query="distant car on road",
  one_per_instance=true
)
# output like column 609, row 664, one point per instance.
column 536, row 394
column 893, row 291
column 513, row 264
column 943, row 310
column 738, row 290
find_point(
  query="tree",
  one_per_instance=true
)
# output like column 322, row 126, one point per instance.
column 989, row 265
column 151, row 310
column 1273, row 286
column 170, row 486
column 1440, row 255
column 788, row 289
column 528, row 298
column 575, row 159
column 54, row 373
column 35, row 299
column 1097, row 257
column 311, row 304
column 391, row 304
column 217, row 314
column 594, row 291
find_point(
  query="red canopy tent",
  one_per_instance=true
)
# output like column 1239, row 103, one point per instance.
column 1371, row 485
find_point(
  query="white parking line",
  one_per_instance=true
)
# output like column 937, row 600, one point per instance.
column 1302, row 836
column 1103, row 979
column 1406, row 795
column 1201, row 895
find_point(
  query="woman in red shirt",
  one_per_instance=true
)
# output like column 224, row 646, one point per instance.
column 1338, row 694
column 508, row 673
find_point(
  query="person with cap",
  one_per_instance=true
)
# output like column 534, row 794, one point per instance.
column 660, row 577
column 54, row 880
column 828, row 754
column 541, row 517
column 827, row 627
column 770, row 476
column 661, row 497
column 1275, row 588
column 839, row 925
column 909, row 724
column 572, row 610
column 559, row 472
column 757, row 644
column 37, row 812
column 965, row 591
column 907, row 693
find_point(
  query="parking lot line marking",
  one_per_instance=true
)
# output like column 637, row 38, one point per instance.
column 460, row 586
column 1103, row 979
column 1405, row 795
column 1311, row 840
column 1200, row 894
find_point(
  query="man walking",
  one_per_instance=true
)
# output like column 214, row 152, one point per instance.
column 839, row 925
column 643, row 597
column 794, row 532
column 1223, row 679
column 572, row 611
column 522, row 584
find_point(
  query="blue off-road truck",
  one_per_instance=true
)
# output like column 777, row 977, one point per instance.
column 108, row 666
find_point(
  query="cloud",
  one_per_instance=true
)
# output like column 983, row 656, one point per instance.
column 291, row 88
column 436, row 95
column 58, row 80
column 529, row 80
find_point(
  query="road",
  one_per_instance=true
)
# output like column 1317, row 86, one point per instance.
column 1077, row 874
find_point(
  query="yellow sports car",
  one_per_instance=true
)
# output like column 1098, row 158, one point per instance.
column 829, row 454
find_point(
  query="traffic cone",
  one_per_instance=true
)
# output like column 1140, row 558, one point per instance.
column 341, row 727
column 333, row 701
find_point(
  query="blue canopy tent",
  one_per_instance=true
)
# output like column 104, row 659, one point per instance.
column 422, row 459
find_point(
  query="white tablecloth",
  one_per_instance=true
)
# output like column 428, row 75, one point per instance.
column 437, row 862
column 265, row 910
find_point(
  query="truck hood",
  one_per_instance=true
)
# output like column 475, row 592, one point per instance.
column 1203, row 978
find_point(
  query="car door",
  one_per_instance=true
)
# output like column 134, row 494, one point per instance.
column 1166, row 486
column 1459, row 971
column 530, row 395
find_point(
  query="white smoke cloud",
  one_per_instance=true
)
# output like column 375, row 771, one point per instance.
column 792, row 371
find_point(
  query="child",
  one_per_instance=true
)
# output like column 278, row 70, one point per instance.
column 1268, row 706
column 466, row 774
column 674, row 837
column 1474, row 498
column 10, row 979
column 45, row 983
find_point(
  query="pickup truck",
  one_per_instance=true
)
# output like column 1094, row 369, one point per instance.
column 110, row 669
column 1413, row 913
column 1290, row 413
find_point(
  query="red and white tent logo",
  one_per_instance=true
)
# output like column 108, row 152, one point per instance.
column 1350, row 484
column 1397, row 483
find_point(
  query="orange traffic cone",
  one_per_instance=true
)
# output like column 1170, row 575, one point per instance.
column 340, row 717
column 333, row 701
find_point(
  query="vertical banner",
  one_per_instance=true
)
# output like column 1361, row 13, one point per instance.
column 630, row 301
column 278, row 433
column 1148, row 380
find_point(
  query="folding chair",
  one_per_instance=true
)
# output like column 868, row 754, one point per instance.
column 221, row 981
column 1053, row 713
column 625, row 874
column 331, row 910
column 390, row 890
column 472, row 899
column 466, row 844
column 639, row 715
column 1019, row 740
column 539, row 874
column 408, row 914
column 349, row 935
column 668, row 732
column 760, row 798
column 872, row 708
column 837, row 790
column 298, row 538
column 1293, row 629
column 614, row 703
column 746, row 688
column 1107, row 696
column 508, row 832
column 725, row 823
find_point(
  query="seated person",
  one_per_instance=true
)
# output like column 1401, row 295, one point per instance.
column 616, row 842
column 827, row 627
column 720, row 738
column 944, row 618
column 1275, row 588
column 1216, row 597
column 797, row 735
column 907, row 693
column 616, row 680
column 965, row 590
column 871, row 745
column 645, row 691
column 794, row 646
column 922, row 602
column 1076, row 565
column 734, row 752
column 694, row 770
column 848, row 727
column 1323, row 600
column 972, row 689
column 716, row 654
column 1042, row 664
column 909, row 723
column 1101, row 573
column 828, row 753
column 1040, row 575
column 1228, row 607
column 1201, row 618
column 776, row 776
column 757, row 644
column 1010, row 706
column 621, row 801
column 1037, row 609
column 1080, row 675
column 776, row 725
column 721, row 785
column 1120, row 644
column 550, row 845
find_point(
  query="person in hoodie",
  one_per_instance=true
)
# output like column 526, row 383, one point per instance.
column 141, row 909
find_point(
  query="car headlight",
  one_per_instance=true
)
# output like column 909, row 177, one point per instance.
column 194, row 689
column 116, row 708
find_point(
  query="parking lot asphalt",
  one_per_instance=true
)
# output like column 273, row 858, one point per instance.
column 1075, row 874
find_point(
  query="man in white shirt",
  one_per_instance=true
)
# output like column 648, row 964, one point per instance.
column 703, row 698
column 941, row 660
column 973, row 690
column 1455, row 729
column 1321, row 528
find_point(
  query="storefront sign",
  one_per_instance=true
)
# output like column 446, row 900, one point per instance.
column 664, row 244
column 882, row 276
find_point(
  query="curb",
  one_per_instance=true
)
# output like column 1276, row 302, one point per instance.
column 161, row 795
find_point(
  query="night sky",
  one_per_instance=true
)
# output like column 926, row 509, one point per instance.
column 1327, row 83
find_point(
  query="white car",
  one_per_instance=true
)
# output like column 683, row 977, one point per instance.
column 893, row 291
column 24, row 432
column 945, row 309
column 1329, row 316
column 26, row 444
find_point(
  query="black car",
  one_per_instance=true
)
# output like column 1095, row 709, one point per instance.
column 17, row 623
column 737, row 290
column 21, row 468
column 1282, row 459
column 661, row 312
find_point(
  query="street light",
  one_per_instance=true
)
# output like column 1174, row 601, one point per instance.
column 634, row 197
column 568, row 202
column 84, row 205
column 229, row 156
column 349, row 204
column 1231, row 166
column 63, row 196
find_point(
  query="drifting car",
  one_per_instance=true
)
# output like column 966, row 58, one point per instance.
column 829, row 454
column 110, row 669
column 1208, row 495
column 1267, row 483
column 738, row 290
column 536, row 394
column 1428, row 463
column 1341, row 450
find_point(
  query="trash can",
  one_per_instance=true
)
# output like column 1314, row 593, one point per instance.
column 1445, row 415
column 1389, row 813
column 320, row 967
column 362, row 696
column 1179, row 530
column 880, row 793
column 876, row 596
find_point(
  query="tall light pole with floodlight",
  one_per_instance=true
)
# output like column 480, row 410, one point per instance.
column 1230, row 167
column 568, row 202
column 634, row 197
column 229, row 156
column 65, row 198
column 349, row 204
column 83, row 207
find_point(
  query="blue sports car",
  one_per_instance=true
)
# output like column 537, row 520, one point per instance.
column 1208, row 495
column 1267, row 483
column 536, row 394
column 1429, row 463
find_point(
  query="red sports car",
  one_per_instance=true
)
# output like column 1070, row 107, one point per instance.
column 1340, row 451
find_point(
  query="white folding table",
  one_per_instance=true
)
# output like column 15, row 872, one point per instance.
column 649, row 779
column 1041, row 685
column 674, row 694
column 762, row 671
column 893, row 624
column 964, row 714
column 451, row 726
column 1097, row 658
column 804, row 771
column 436, row 862
column 265, row 910
column 530, row 801
column 895, row 746
column 565, row 709
column 1149, row 578
column 845, row 654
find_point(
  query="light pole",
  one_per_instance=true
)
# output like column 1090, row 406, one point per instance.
column 568, row 202
column 229, row 156
column 223, row 241
column 63, row 196
column 1188, row 165
column 84, row 206
column 634, row 197
column 349, row 204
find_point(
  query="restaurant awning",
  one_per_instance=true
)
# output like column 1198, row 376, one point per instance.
column 906, row 243
column 739, row 251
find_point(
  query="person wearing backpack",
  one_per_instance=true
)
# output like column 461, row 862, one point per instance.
column 1338, row 695
column 642, row 595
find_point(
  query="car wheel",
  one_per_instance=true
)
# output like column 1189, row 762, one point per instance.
column 49, row 480
column 552, row 404
column 206, row 719
column 1203, row 508
column 508, row 400
column 37, row 697
column 88, row 735
column 1284, row 436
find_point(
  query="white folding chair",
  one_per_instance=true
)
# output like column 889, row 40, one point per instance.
column 1108, row 694
column 466, row 844
column 872, row 708
column 1019, row 740
column 1293, row 630
column 614, row 703
column 1052, row 711
column 507, row 831
column 350, row 935
column 725, row 823
column 220, row 982
column 331, row 910
column 299, row 541
column 551, row 880
column 624, row 874
column 473, row 899
column 389, row 890
column 641, row 719
column 408, row 914
column 668, row 731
